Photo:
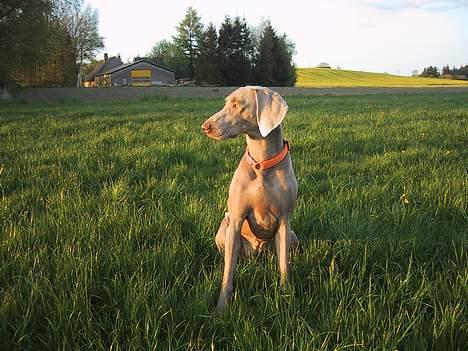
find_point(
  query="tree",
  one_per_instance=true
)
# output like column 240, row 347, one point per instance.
column 430, row 71
column 446, row 70
column 274, row 59
column 188, row 33
column 208, row 69
column 23, row 38
column 265, row 59
column 242, row 57
column 462, row 71
column 225, row 48
column 235, row 51
column 235, row 55
column 82, row 27
column 284, row 71
column 167, row 54
column 61, row 67
column 44, row 42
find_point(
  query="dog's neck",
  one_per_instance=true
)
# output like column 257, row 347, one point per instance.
column 262, row 149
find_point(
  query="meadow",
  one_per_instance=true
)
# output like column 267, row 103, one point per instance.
column 323, row 77
column 108, row 213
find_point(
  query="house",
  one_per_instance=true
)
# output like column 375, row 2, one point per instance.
column 108, row 64
column 323, row 65
column 140, row 72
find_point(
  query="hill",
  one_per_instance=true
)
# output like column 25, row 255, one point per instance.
column 320, row 77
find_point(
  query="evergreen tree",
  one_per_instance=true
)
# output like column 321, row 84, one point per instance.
column 235, row 52
column 274, row 59
column 462, row 71
column 208, row 69
column 188, row 33
column 265, row 58
column 284, row 72
column 446, row 70
column 225, row 49
column 242, row 64
column 430, row 71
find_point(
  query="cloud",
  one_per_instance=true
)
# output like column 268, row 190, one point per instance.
column 431, row 5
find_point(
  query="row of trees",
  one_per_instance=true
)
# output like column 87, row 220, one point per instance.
column 462, row 71
column 46, row 42
column 433, row 71
column 233, row 55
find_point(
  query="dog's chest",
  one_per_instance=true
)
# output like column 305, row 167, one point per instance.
column 266, row 206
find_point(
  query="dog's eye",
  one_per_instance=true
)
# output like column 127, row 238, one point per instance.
column 234, row 105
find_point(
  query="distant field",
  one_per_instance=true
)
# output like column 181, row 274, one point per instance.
column 323, row 77
column 108, row 213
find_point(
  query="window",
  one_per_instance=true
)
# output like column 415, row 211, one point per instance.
column 141, row 77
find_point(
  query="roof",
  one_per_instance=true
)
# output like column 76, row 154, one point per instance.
column 323, row 65
column 104, row 66
column 126, row 65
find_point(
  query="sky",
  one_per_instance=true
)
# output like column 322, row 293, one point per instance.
column 392, row 36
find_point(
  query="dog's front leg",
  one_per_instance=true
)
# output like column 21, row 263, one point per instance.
column 282, row 242
column 232, row 246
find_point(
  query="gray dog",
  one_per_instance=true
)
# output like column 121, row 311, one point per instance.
column 263, row 190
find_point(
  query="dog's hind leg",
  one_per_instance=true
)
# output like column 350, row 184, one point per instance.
column 221, row 234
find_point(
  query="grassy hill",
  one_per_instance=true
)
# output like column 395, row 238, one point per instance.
column 323, row 77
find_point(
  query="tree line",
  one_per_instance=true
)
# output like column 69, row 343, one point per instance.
column 234, row 54
column 462, row 71
column 54, row 42
column 46, row 42
column 433, row 71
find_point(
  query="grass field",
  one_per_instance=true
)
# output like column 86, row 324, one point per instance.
column 322, row 77
column 108, row 213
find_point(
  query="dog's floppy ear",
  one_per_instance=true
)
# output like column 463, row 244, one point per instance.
column 271, row 109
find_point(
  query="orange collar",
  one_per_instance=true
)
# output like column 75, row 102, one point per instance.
column 264, row 165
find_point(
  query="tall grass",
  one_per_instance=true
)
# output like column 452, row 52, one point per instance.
column 108, row 213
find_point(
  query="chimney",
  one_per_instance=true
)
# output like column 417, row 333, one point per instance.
column 106, row 57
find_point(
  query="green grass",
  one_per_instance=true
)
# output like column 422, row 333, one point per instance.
column 108, row 213
column 322, row 77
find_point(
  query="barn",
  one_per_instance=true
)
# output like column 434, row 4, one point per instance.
column 141, row 72
column 323, row 65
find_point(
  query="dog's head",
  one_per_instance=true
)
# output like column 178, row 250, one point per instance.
column 255, row 111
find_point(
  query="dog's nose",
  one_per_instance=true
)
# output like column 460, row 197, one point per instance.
column 206, row 127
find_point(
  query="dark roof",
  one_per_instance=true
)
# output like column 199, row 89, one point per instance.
column 323, row 65
column 126, row 65
column 104, row 66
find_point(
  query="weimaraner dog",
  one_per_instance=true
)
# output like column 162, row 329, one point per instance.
column 263, row 190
